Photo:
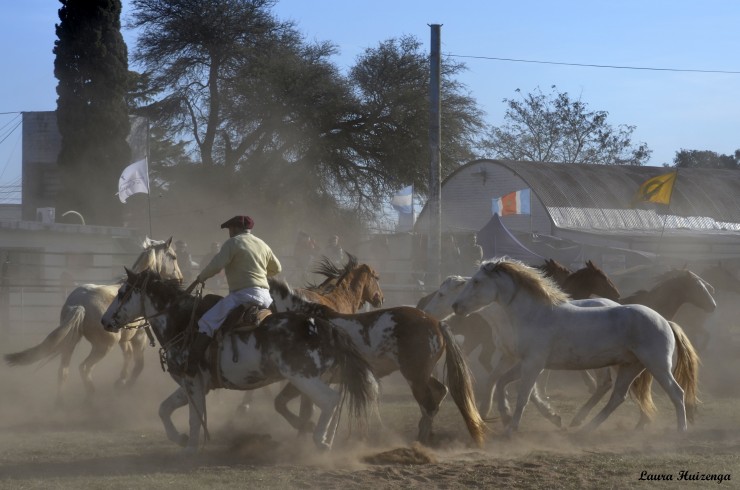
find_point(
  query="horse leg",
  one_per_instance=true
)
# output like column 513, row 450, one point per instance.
column 603, row 385
column 176, row 400
column 625, row 376
column 128, row 354
column 544, row 408
column 429, row 395
column 99, row 350
column 589, row 381
column 503, row 364
column 499, row 395
column 299, row 423
column 529, row 373
column 196, row 393
column 63, row 374
column 327, row 400
column 138, row 345
column 661, row 371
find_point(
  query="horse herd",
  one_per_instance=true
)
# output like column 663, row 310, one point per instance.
column 524, row 320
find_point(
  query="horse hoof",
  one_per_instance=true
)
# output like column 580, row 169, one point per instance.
column 183, row 442
column 557, row 421
column 308, row 428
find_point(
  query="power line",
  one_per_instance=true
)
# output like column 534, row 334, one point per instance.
column 590, row 65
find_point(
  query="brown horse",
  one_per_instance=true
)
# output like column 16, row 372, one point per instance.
column 345, row 290
column 80, row 317
column 402, row 339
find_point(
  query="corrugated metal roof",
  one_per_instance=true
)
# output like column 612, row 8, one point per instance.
column 599, row 197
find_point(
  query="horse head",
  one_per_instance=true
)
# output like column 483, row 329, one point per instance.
column 439, row 303
column 128, row 305
column 159, row 256
column 370, row 282
column 588, row 281
column 699, row 292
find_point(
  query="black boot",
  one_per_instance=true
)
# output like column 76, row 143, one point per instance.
column 197, row 353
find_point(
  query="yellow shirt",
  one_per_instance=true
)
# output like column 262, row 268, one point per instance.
column 247, row 261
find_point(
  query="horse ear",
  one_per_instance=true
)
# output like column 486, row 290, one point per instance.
column 131, row 275
column 168, row 243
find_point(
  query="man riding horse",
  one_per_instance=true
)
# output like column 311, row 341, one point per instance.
column 248, row 262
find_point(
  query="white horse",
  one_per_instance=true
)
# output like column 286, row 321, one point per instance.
column 554, row 334
column 285, row 346
column 80, row 317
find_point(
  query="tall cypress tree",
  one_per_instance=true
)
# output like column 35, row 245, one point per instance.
column 91, row 65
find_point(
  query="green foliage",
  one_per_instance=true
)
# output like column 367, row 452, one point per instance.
column 555, row 128
column 706, row 159
column 91, row 66
column 276, row 125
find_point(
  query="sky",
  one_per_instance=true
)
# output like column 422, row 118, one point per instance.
column 679, row 102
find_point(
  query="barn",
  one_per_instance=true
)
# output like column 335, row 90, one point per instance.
column 586, row 211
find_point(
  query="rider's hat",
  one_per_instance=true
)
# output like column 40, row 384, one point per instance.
column 243, row 222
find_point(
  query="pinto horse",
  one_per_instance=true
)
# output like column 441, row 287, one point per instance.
column 406, row 339
column 285, row 346
column 555, row 334
column 80, row 317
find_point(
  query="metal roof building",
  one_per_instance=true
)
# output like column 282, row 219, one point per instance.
column 591, row 205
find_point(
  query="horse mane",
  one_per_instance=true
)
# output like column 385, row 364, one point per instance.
column 328, row 269
column 531, row 279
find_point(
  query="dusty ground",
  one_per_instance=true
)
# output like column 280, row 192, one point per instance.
column 117, row 441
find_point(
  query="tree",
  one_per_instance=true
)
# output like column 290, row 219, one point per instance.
column 706, row 159
column 290, row 136
column 91, row 65
column 555, row 128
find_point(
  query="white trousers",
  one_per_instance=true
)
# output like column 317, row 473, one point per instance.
column 213, row 318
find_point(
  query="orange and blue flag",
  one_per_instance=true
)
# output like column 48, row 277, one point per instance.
column 517, row 202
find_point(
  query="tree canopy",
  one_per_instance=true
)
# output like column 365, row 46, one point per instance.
column 91, row 65
column 706, row 159
column 557, row 128
column 276, row 127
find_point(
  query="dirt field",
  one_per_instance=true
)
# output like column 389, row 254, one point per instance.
column 117, row 440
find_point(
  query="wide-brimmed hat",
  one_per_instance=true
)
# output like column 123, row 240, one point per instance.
column 243, row 222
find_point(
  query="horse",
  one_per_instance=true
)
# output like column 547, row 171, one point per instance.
column 673, row 289
column 402, row 339
column 489, row 328
column 80, row 317
column 345, row 290
column 554, row 334
column 284, row 346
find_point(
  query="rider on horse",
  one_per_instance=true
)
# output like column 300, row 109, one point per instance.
column 248, row 262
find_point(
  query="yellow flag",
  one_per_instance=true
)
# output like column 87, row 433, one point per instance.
column 657, row 189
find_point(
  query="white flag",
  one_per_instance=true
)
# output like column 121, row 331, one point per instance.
column 134, row 179
column 403, row 201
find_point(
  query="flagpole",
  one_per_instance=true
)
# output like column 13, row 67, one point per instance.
column 149, row 182
column 665, row 217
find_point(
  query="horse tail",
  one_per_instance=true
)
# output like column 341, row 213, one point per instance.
column 642, row 392
column 357, row 380
column 68, row 332
column 686, row 371
column 460, row 383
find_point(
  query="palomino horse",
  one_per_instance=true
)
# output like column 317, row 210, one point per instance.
column 286, row 346
column 673, row 289
column 554, row 334
column 80, row 317
column 406, row 339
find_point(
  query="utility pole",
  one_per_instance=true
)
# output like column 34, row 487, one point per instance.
column 434, row 251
